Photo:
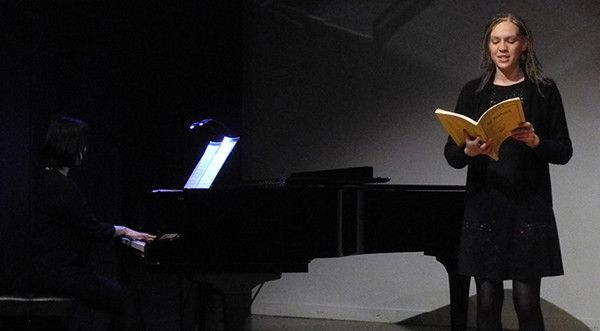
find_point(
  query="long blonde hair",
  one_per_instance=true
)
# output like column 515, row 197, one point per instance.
column 528, row 61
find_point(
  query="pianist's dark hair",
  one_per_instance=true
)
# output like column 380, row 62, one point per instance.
column 65, row 142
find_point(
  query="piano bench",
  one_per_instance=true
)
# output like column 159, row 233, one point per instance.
column 27, row 308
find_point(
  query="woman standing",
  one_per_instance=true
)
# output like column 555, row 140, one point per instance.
column 509, row 230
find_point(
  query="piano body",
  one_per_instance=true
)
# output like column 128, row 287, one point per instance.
column 240, row 236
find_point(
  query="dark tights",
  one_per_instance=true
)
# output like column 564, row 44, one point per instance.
column 526, row 299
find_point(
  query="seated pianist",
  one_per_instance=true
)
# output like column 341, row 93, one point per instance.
column 63, row 226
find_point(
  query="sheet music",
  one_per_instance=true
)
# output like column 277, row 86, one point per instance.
column 210, row 163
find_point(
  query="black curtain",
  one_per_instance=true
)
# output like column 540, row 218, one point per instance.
column 15, row 140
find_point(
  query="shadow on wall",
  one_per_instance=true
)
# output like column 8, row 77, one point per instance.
column 555, row 318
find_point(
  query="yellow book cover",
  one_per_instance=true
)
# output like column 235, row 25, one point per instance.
column 495, row 124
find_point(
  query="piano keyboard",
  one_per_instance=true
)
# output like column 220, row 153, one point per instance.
column 138, row 245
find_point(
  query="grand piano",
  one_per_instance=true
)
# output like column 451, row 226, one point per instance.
column 236, row 237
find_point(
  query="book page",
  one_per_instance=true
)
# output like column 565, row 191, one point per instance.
column 195, row 180
column 456, row 124
column 501, row 119
column 211, row 162
column 217, row 161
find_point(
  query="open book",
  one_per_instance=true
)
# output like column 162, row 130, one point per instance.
column 210, row 163
column 495, row 124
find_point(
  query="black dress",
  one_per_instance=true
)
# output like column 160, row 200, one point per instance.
column 509, row 230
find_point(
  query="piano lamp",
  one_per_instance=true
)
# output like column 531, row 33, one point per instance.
column 217, row 129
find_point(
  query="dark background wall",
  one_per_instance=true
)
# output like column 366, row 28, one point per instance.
column 138, row 72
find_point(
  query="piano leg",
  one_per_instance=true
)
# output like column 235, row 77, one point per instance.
column 217, row 309
column 235, row 291
column 209, row 307
column 236, row 310
column 459, row 294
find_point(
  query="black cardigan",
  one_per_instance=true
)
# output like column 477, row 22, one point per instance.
column 63, row 222
column 529, row 169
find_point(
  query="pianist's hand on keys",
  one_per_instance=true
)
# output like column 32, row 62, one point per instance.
column 122, row 231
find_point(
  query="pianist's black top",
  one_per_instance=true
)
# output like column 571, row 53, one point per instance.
column 63, row 222
column 509, row 230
